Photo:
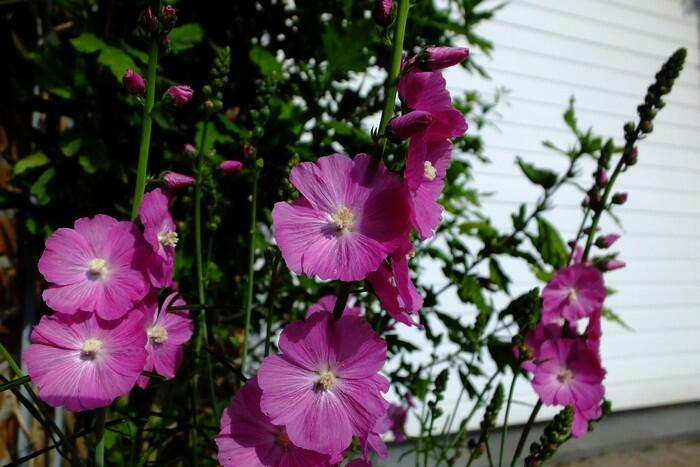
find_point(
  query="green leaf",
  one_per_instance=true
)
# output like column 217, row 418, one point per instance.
column 42, row 188
column 87, row 43
column 469, row 291
column 346, row 51
column 116, row 60
column 550, row 245
column 93, row 156
column 185, row 37
column 71, row 148
column 266, row 61
column 502, row 354
column 32, row 161
column 14, row 383
column 570, row 116
column 497, row 275
column 610, row 315
column 543, row 177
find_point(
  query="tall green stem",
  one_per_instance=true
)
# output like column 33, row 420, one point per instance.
column 504, row 433
column 251, row 271
column 100, row 417
column 146, row 125
column 526, row 432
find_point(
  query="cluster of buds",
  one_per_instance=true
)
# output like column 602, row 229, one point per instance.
column 154, row 25
column 440, row 387
column 488, row 422
column 554, row 435
column 213, row 92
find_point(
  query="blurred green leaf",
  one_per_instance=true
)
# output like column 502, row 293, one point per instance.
column 543, row 177
column 116, row 60
column 185, row 37
column 32, row 161
column 42, row 188
column 267, row 62
column 87, row 43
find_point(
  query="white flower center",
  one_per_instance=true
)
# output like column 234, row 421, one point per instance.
column 572, row 294
column 97, row 268
column 168, row 238
column 326, row 381
column 343, row 219
column 91, row 347
column 429, row 171
column 565, row 376
column 157, row 334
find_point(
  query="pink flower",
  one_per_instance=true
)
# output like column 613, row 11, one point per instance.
column 96, row 266
column 174, row 180
column 579, row 427
column 249, row 439
column 159, row 232
column 325, row 387
column 398, row 414
column 167, row 333
column 437, row 58
column 133, row 82
column 407, row 125
column 179, row 95
column 82, row 362
column 351, row 214
column 327, row 303
column 231, row 167
column 573, row 293
column 426, row 167
column 393, row 286
column 569, row 373
column 541, row 334
column 374, row 439
column 427, row 91
column 606, row 241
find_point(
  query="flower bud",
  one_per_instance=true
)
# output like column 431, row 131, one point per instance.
column 169, row 17
column 133, row 82
column 612, row 264
column 230, row 167
column 178, row 95
column 606, row 241
column 169, row 11
column 248, row 149
column 148, row 20
column 647, row 126
column 382, row 12
column 438, row 58
column 601, row 177
column 174, row 180
column 166, row 41
column 189, row 150
column 619, row 198
column 407, row 125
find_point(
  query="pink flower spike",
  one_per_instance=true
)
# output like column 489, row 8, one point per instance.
column 179, row 95
column 327, row 303
column 95, row 266
column 325, row 387
column 82, row 362
column 606, row 241
column 438, row 58
column 133, row 82
column 407, row 125
column 569, row 374
column 174, row 180
column 248, row 438
column 573, row 293
column 351, row 214
column 613, row 264
column 231, row 167
column 159, row 232
column 167, row 333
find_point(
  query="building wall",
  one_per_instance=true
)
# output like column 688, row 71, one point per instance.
column 605, row 53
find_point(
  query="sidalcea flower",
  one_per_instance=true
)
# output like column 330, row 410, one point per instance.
column 569, row 373
column 374, row 439
column 174, row 180
column 538, row 336
column 179, row 95
column 579, row 427
column 572, row 293
column 397, row 415
column 133, row 82
column 82, row 362
column 427, row 91
column 324, row 387
column 96, row 266
column 167, row 332
column 351, row 214
column 327, row 303
column 407, row 125
column 248, row 438
column 426, row 167
column 230, row 167
column 393, row 286
column 437, row 58
column 159, row 232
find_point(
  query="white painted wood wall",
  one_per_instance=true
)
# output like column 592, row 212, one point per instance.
column 605, row 53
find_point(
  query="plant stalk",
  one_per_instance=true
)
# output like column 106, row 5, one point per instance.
column 526, row 432
column 504, row 432
column 100, row 417
column 251, row 270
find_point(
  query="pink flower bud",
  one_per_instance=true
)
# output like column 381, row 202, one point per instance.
column 619, row 198
column 612, row 264
column 178, row 95
column 166, row 41
column 606, row 241
column 231, row 167
column 437, row 58
column 133, row 82
column 148, row 19
column 631, row 157
column 248, row 150
column 409, row 124
column 601, row 177
column 587, row 230
column 174, row 180
column 169, row 11
column 189, row 150
column 382, row 12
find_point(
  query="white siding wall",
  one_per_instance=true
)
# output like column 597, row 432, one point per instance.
column 606, row 52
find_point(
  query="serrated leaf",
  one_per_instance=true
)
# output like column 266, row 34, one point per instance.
column 266, row 61
column 185, row 37
column 542, row 177
column 32, row 161
column 87, row 43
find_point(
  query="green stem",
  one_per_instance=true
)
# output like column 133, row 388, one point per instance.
column 526, row 432
column 146, row 125
column 100, row 417
column 11, row 361
column 251, row 271
column 395, row 70
column 270, row 305
column 504, row 433
column 342, row 299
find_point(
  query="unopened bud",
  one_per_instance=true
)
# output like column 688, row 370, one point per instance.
column 606, row 241
column 601, row 177
column 148, row 20
column 619, row 198
column 174, row 180
column 133, row 82
column 438, row 58
column 230, row 167
column 248, row 149
column 189, row 150
column 382, row 12
column 631, row 156
column 178, row 95
column 405, row 126
column 647, row 126
column 612, row 264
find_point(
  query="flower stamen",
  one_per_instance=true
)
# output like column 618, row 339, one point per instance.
column 326, row 381
column 343, row 219
column 157, row 334
column 91, row 347
column 168, row 238
column 565, row 376
column 98, row 269
column 429, row 171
